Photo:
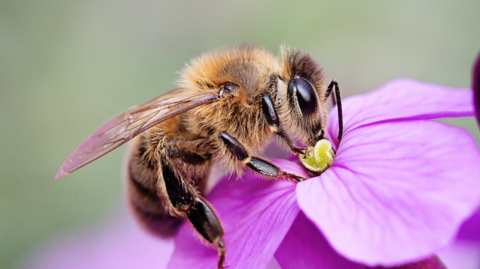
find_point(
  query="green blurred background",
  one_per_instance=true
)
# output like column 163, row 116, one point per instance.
column 67, row 66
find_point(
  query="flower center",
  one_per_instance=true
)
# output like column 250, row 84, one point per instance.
column 318, row 158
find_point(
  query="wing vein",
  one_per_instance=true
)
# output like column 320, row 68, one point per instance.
column 122, row 128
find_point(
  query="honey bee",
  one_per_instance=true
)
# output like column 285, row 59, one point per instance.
column 226, row 106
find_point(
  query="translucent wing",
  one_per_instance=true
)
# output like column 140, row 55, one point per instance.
column 131, row 123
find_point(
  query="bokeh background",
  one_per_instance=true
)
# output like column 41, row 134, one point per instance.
column 67, row 66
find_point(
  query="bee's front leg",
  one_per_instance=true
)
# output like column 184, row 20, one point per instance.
column 259, row 165
column 270, row 113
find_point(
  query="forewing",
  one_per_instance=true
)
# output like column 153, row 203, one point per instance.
column 131, row 123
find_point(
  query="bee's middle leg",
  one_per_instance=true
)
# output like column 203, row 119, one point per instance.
column 185, row 198
column 259, row 165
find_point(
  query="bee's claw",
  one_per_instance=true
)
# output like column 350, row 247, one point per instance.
column 221, row 253
column 302, row 151
column 292, row 176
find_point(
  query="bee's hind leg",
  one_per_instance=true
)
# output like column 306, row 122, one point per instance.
column 185, row 198
column 206, row 222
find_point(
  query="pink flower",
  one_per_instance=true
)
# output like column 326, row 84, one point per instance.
column 465, row 251
column 120, row 244
column 398, row 190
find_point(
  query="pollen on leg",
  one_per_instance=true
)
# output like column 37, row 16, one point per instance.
column 318, row 158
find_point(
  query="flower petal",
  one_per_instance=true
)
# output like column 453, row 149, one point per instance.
column 402, row 99
column 396, row 191
column 305, row 247
column 121, row 245
column 255, row 213
column 470, row 229
column 461, row 255
column 430, row 263
column 476, row 86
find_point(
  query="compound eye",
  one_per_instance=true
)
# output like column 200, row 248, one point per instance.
column 306, row 97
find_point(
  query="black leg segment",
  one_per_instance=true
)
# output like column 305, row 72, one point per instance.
column 180, row 197
column 258, row 165
column 184, row 198
column 263, row 167
column 206, row 222
column 237, row 149
column 338, row 101
column 269, row 111
column 272, row 119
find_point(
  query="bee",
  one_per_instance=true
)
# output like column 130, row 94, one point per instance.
column 226, row 106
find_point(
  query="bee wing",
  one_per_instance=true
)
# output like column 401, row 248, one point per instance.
column 131, row 123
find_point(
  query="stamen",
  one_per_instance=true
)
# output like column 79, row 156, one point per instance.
column 318, row 158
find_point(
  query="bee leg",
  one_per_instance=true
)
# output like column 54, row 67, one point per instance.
column 259, row 165
column 206, row 222
column 146, row 205
column 336, row 101
column 290, row 144
column 272, row 119
column 185, row 198
column 180, row 192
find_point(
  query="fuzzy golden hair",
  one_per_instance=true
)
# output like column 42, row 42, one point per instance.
column 251, row 71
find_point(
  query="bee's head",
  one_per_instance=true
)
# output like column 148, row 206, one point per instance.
column 301, row 96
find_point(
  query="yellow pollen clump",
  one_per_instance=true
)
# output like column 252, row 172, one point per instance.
column 318, row 158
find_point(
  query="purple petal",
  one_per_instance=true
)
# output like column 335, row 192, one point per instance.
column 461, row 255
column 305, row 247
column 256, row 214
column 273, row 264
column 470, row 229
column 476, row 87
column 430, row 263
column 122, row 246
column 402, row 99
column 396, row 192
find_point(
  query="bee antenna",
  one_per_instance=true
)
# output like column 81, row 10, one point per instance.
column 338, row 101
